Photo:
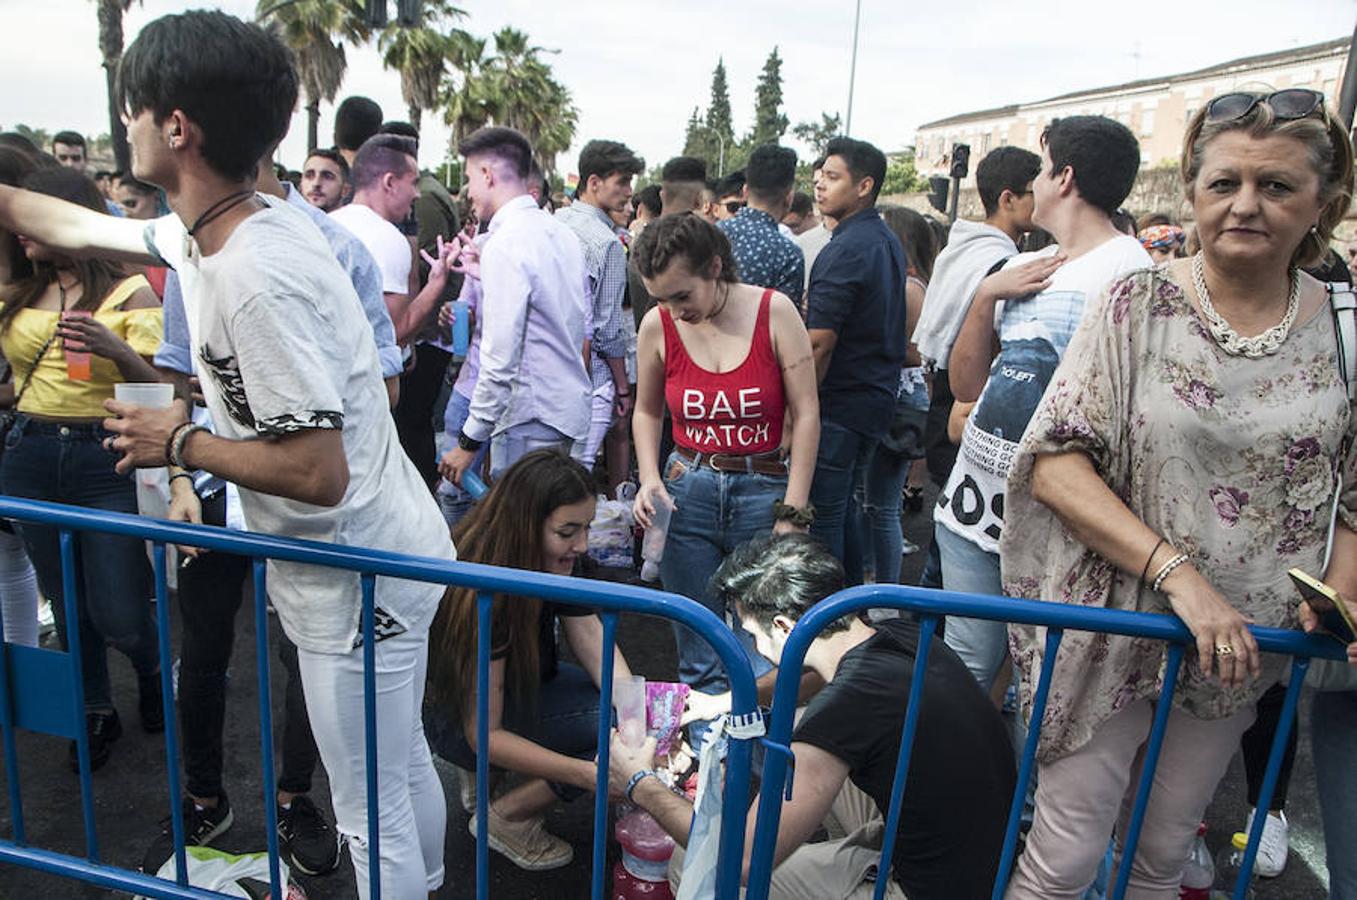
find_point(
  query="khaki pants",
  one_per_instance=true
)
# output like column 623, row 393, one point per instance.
column 1080, row 797
column 835, row 869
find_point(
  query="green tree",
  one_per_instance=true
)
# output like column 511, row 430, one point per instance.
column 901, row 176
column 467, row 100
column 316, row 31
column 421, row 55
column 720, row 140
column 694, row 136
column 110, row 15
column 769, row 122
column 818, row 134
column 39, row 136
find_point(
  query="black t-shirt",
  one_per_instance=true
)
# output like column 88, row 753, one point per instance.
column 857, row 290
column 961, row 773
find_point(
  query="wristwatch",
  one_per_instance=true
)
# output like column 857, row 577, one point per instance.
column 468, row 444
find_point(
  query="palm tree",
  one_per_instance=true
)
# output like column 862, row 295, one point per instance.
column 472, row 103
column 421, row 55
column 110, row 13
column 310, row 28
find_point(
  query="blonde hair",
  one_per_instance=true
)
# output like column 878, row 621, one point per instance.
column 1330, row 153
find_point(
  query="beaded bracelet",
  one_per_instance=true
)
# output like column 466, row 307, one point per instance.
column 637, row 779
column 177, row 440
column 1167, row 569
column 800, row 516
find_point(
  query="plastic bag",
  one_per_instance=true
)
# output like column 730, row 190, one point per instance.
column 664, row 713
column 610, row 535
column 246, row 875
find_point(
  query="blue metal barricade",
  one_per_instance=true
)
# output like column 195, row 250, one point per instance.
column 930, row 606
column 40, row 690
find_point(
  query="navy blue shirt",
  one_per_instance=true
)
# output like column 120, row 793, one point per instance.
column 766, row 257
column 857, row 290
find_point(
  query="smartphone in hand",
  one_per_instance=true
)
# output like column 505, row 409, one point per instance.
column 1334, row 617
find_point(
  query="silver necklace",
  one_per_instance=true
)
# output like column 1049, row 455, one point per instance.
column 1260, row 345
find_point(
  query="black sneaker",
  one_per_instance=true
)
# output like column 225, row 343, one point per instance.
column 149, row 704
column 103, row 729
column 306, row 839
column 201, row 828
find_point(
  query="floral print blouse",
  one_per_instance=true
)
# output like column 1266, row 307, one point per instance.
column 1233, row 460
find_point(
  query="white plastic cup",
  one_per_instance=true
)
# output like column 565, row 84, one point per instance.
column 629, row 698
column 152, row 394
column 652, row 545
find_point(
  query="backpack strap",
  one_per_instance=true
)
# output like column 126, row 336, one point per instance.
column 1343, row 305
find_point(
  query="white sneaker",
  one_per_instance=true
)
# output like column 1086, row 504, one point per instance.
column 1272, row 848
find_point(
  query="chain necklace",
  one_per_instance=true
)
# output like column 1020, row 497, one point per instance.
column 1264, row 344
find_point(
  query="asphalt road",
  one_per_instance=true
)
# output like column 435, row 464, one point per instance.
column 131, row 797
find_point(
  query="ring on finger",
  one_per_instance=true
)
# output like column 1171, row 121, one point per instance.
column 1224, row 650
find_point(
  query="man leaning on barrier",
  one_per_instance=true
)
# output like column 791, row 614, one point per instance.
column 846, row 744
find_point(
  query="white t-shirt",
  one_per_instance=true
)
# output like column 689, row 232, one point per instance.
column 1033, row 334
column 283, row 346
column 384, row 241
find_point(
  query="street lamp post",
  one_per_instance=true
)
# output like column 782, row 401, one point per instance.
column 721, row 158
column 852, row 71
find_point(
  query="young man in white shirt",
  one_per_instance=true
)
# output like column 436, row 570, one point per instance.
column 533, row 390
column 384, row 175
column 293, row 382
column 1029, row 310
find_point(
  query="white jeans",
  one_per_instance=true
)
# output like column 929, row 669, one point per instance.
column 18, row 592
column 601, row 402
column 411, row 807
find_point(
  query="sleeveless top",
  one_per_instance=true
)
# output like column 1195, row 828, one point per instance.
column 52, row 393
column 739, row 411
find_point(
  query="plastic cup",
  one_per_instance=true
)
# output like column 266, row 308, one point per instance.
column 629, row 698
column 652, row 545
column 152, row 394
column 79, row 366
column 461, row 327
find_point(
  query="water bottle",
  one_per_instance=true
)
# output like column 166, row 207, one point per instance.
column 461, row 332
column 1230, row 866
column 472, row 484
column 1199, row 874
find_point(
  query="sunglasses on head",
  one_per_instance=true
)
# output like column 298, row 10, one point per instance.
column 1292, row 103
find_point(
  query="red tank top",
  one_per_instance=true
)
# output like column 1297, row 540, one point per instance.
column 739, row 411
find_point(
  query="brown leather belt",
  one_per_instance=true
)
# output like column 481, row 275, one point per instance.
column 773, row 462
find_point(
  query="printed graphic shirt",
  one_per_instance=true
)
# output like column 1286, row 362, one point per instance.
column 766, row 257
column 1033, row 334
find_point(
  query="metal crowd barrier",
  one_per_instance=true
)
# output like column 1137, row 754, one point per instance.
column 41, row 690
column 930, row 606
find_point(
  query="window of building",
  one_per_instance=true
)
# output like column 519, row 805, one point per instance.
column 1147, row 122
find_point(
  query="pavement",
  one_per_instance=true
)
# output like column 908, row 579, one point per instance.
column 131, row 797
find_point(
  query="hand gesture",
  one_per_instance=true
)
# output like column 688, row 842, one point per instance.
column 440, row 265
column 1020, row 281
column 468, row 258
column 650, row 493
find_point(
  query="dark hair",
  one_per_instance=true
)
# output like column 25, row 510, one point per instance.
column 233, row 79
column 36, row 155
column 603, row 158
column 684, row 168
column 1005, row 169
column 1154, row 218
column 819, row 162
column 97, row 276
column 916, row 235
column 15, row 166
column 69, row 138
column 802, row 204
column 779, row 575
column 1102, row 152
column 537, row 178
column 683, row 236
column 649, row 197
column 1124, row 222
column 731, row 184
column 380, row 154
column 771, row 171
column 502, row 143
column 334, row 156
column 404, row 129
column 862, row 159
column 1037, row 239
column 503, row 529
column 356, row 120
column 134, row 184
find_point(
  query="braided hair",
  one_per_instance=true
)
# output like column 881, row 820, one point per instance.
column 685, row 236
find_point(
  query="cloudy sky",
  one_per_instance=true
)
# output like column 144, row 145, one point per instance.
column 638, row 68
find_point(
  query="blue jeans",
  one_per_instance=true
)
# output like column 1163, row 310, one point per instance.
column 981, row 644
column 881, row 537
column 1333, row 741
column 843, row 458
column 715, row 513
column 452, row 500
column 563, row 719
column 67, row 464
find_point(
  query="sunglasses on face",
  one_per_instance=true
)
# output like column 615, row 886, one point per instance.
column 733, row 206
column 1292, row 103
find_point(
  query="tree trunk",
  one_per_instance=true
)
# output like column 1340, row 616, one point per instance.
column 110, row 15
column 415, row 114
column 312, row 125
